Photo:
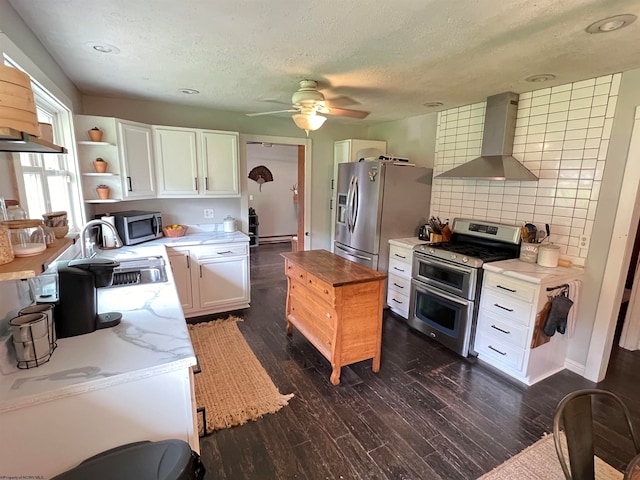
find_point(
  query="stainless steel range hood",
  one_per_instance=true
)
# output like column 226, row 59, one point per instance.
column 496, row 161
column 20, row 142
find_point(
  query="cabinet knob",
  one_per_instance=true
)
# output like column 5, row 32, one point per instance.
column 326, row 292
column 301, row 275
column 328, row 315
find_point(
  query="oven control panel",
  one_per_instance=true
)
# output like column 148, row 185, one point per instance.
column 479, row 227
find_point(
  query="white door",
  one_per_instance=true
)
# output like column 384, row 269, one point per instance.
column 181, row 267
column 223, row 281
column 219, row 164
column 136, row 160
column 176, row 161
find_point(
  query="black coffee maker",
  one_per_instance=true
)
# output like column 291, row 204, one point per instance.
column 77, row 309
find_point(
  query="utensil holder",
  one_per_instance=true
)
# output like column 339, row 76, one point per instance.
column 529, row 252
column 31, row 339
column 435, row 238
column 47, row 309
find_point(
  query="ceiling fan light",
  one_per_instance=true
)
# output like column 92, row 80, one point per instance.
column 308, row 122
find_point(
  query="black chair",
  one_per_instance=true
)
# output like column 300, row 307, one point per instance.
column 574, row 412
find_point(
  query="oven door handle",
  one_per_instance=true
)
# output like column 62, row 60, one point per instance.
column 434, row 291
column 444, row 264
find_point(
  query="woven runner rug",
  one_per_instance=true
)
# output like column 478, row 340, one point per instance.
column 233, row 386
column 540, row 462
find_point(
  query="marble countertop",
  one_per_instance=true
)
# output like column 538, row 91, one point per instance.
column 407, row 242
column 151, row 339
column 532, row 272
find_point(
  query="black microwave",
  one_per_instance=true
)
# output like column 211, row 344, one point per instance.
column 137, row 226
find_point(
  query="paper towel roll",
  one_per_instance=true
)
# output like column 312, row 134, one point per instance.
column 108, row 239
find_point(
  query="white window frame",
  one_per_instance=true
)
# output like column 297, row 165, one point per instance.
column 68, row 163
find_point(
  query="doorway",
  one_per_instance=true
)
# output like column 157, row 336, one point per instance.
column 291, row 216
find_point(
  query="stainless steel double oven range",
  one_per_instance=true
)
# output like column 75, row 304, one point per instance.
column 447, row 277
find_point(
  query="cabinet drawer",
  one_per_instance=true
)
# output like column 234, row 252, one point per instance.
column 221, row 251
column 399, row 268
column 398, row 302
column 400, row 284
column 509, row 286
column 502, row 330
column 308, row 320
column 491, row 349
column 509, row 309
column 323, row 289
column 400, row 254
column 293, row 271
column 322, row 315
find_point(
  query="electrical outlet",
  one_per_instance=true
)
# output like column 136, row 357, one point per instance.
column 584, row 241
column 209, row 213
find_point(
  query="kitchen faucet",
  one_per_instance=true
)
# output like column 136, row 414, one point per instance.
column 93, row 223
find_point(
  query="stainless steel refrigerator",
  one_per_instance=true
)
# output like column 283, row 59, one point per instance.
column 377, row 201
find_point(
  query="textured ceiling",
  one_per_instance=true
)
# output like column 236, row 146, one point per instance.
column 387, row 58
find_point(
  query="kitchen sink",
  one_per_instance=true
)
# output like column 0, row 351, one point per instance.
column 139, row 271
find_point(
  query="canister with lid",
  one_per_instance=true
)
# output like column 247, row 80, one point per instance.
column 548, row 255
column 6, row 252
column 27, row 237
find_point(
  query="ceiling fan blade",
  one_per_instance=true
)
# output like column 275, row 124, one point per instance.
column 270, row 113
column 344, row 112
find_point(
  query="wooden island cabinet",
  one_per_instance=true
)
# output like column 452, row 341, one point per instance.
column 337, row 305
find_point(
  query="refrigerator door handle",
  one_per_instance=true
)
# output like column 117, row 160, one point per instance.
column 354, row 204
column 349, row 204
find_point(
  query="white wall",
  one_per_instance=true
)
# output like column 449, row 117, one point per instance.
column 413, row 138
column 277, row 212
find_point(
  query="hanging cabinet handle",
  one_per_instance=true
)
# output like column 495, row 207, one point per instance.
column 507, row 289
column 496, row 350
column 188, row 261
column 501, row 330
column 129, row 184
column 503, row 308
column 200, row 271
column 195, row 179
column 206, row 183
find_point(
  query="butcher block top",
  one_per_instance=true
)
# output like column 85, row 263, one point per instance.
column 332, row 268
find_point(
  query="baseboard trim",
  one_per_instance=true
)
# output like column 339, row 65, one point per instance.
column 575, row 367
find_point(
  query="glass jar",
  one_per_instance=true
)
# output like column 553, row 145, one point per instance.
column 27, row 237
column 6, row 252
column 14, row 211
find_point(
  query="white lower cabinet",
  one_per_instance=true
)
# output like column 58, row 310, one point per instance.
column 97, row 420
column 180, row 261
column 211, row 279
column 506, row 321
column 399, row 278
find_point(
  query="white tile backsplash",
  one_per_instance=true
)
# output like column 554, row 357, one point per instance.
column 562, row 135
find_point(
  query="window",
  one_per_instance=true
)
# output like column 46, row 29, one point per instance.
column 49, row 182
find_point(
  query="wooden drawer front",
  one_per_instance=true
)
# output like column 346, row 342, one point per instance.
column 509, row 309
column 398, row 302
column 503, row 331
column 400, row 284
column 400, row 254
column 509, row 286
column 324, row 316
column 293, row 271
column 399, row 268
column 308, row 320
column 221, row 251
column 489, row 348
column 323, row 289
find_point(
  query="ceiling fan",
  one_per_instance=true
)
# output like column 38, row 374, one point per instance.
column 308, row 102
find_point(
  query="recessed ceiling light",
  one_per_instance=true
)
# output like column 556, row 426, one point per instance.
column 433, row 104
column 189, row 91
column 611, row 24
column 542, row 77
column 104, row 48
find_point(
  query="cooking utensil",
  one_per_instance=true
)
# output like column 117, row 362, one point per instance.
column 529, row 233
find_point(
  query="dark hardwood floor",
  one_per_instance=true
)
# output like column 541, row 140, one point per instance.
column 427, row 414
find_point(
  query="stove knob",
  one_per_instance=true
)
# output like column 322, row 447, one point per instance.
column 465, row 259
column 453, row 256
column 431, row 250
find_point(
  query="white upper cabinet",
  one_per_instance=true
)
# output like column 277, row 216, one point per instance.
column 136, row 160
column 219, row 163
column 192, row 162
column 176, row 161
